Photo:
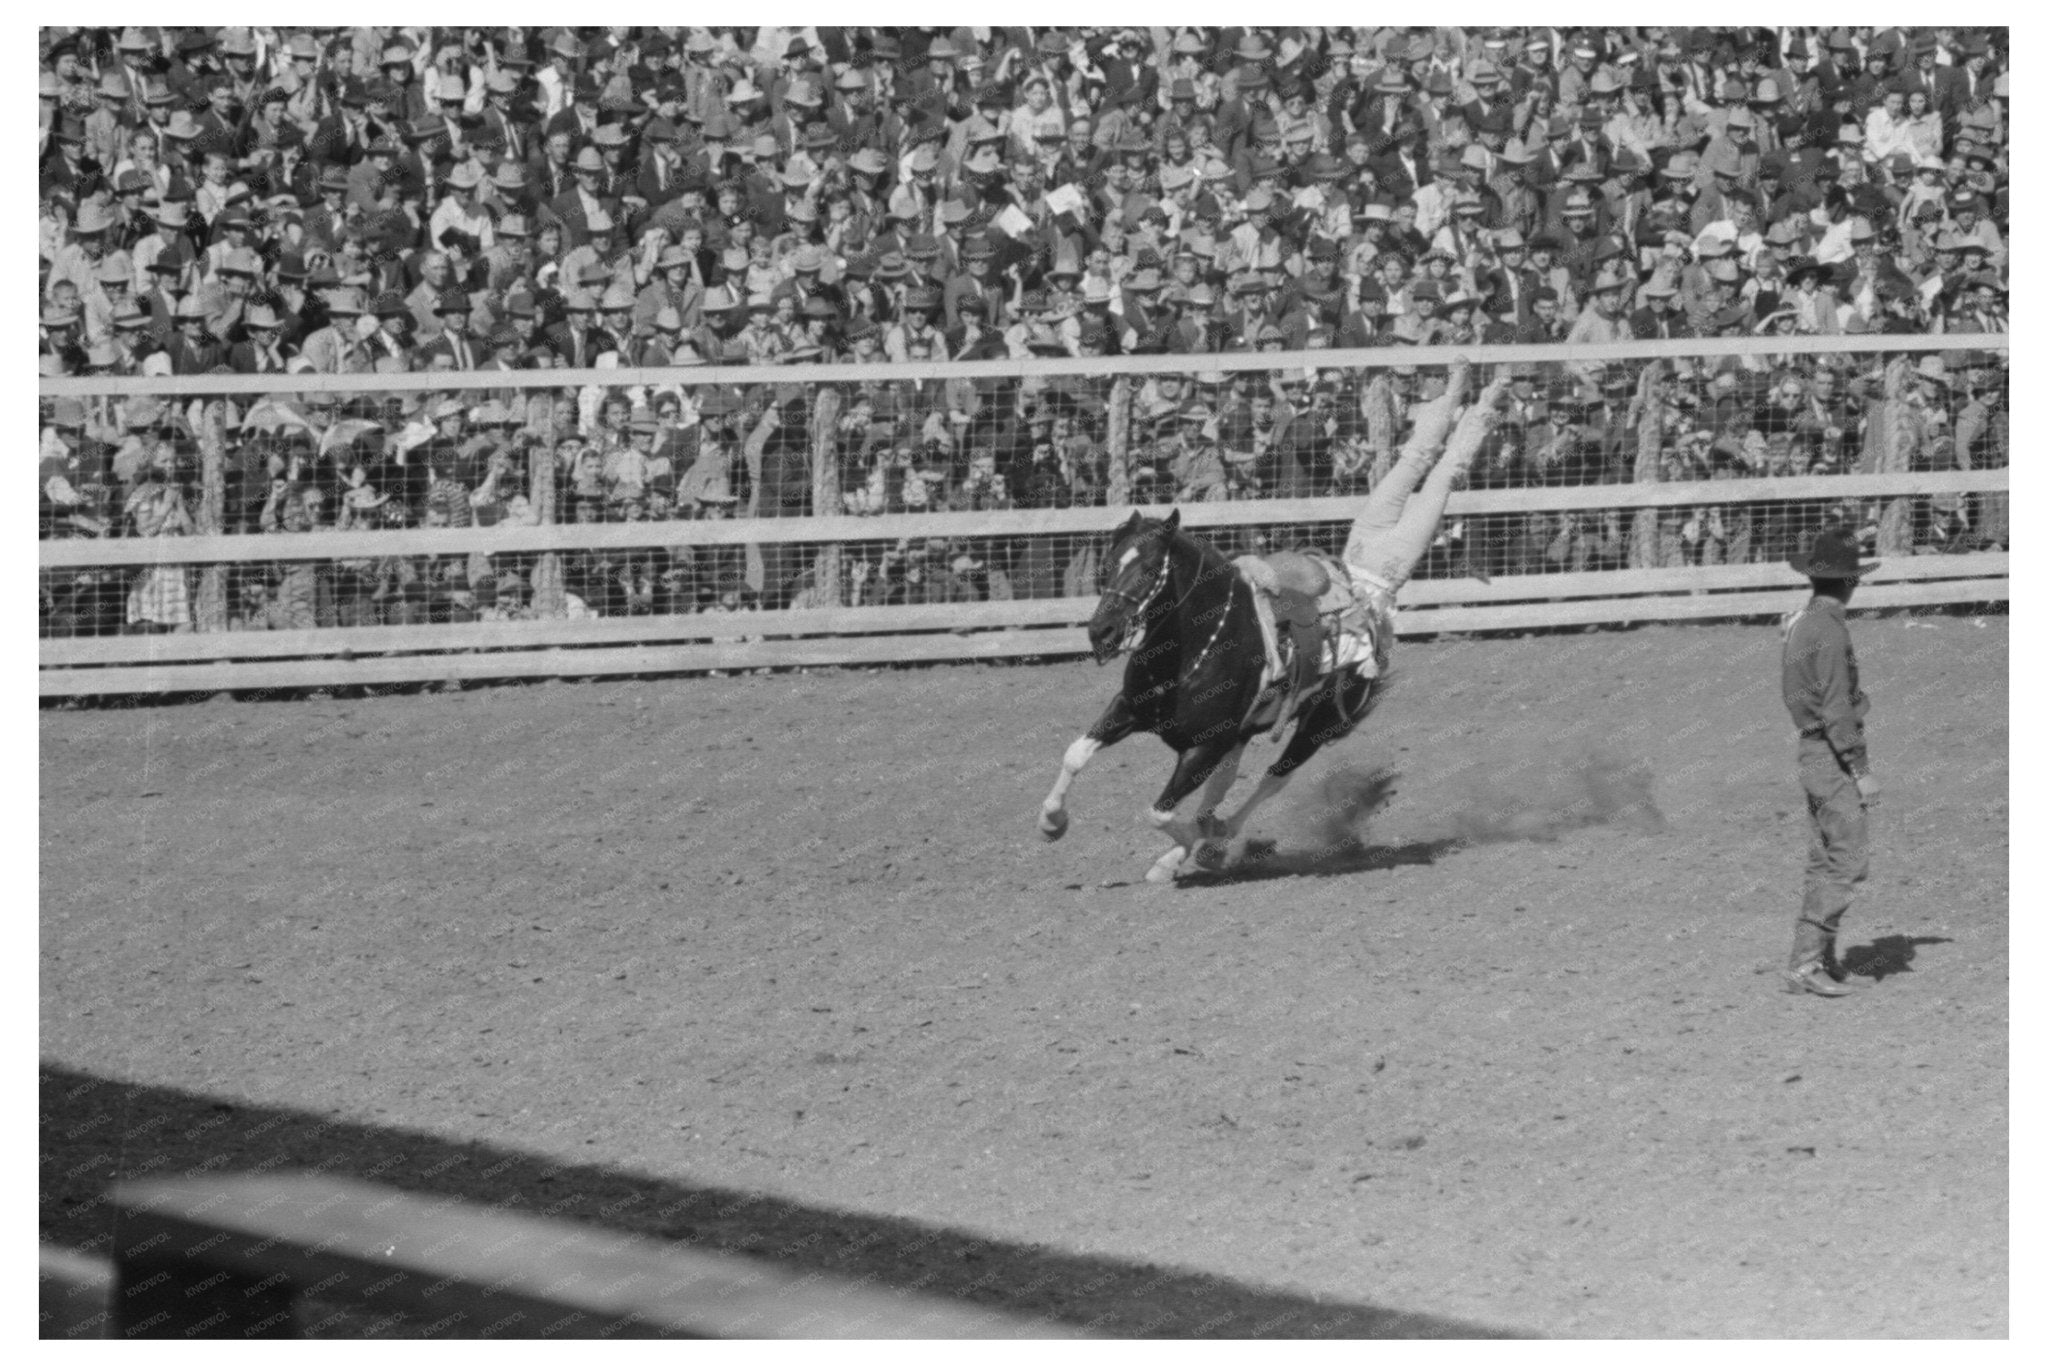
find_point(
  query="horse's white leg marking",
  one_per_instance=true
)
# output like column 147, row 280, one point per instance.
column 1168, row 865
column 1052, row 816
column 1213, row 791
column 1208, row 851
column 1184, row 837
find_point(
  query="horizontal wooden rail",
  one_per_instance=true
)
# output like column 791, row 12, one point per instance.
column 1689, row 607
column 1625, row 584
column 1295, row 362
column 1567, row 497
column 1049, row 642
column 74, row 1294
column 506, row 540
column 726, row 656
column 226, row 1257
column 905, row 621
column 706, row 626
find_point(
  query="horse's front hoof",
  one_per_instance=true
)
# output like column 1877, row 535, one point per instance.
column 1052, row 824
column 1212, row 856
column 1167, row 867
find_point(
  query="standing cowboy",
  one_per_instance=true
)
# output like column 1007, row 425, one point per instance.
column 1827, row 704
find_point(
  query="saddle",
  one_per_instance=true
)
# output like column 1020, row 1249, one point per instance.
column 1313, row 623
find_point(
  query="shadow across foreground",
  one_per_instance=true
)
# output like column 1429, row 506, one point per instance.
column 95, row 1131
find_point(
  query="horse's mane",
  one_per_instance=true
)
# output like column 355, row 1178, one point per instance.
column 1210, row 562
column 1206, row 550
column 1207, row 555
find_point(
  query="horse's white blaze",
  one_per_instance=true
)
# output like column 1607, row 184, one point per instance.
column 1124, row 560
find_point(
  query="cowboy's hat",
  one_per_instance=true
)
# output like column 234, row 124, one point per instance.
column 1831, row 555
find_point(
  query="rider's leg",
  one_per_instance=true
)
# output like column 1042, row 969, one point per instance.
column 1396, row 553
column 1384, row 506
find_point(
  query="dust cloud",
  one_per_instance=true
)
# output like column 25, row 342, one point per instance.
column 1532, row 802
column 1336, row 814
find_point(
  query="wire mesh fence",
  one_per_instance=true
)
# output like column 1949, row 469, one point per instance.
column 482, row 585
column 679, row 492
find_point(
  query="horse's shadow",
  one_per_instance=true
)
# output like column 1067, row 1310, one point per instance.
column 1262, row 862
column 1882, row 957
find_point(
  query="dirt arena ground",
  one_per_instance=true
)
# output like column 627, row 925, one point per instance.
column 779, row 964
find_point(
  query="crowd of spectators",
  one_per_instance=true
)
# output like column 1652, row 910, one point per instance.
column 374, row 201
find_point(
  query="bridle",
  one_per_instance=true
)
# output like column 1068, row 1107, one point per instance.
column 1229, row 601
column 1135, row 623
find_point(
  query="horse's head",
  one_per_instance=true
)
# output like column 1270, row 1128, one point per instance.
column 1135, row 572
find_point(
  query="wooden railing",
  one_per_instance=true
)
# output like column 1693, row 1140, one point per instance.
column 1368, row 358
column 1048, row 628
column 247, row 1256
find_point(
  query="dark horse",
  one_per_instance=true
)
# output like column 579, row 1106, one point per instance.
column 1188, row 621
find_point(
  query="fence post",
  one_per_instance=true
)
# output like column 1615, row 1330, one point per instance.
column 210, row 604
column 1644, row 552
column 548, row 598
column 1898, row 432
column 1118, row 493
column 1991, row 517
column 825, row 490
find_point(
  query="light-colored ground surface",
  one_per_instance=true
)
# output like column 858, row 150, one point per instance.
column 796, row 935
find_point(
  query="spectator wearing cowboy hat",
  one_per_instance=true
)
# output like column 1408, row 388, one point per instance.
column 917, row 331
column 59, row 352
column 191, row 349
column 459, row 210
column 78, row 262
column 713, row 458
column 339, row 346
column 587, row 197
column 373, row 181
column 259, row 353
column 672, row 283
column 390, row 345
column 503, row 349
column 577, row 339
column 1656, row 317
column 1606, row 318
column 453, row 347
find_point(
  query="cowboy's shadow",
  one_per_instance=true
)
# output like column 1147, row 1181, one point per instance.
column 1882, row 957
